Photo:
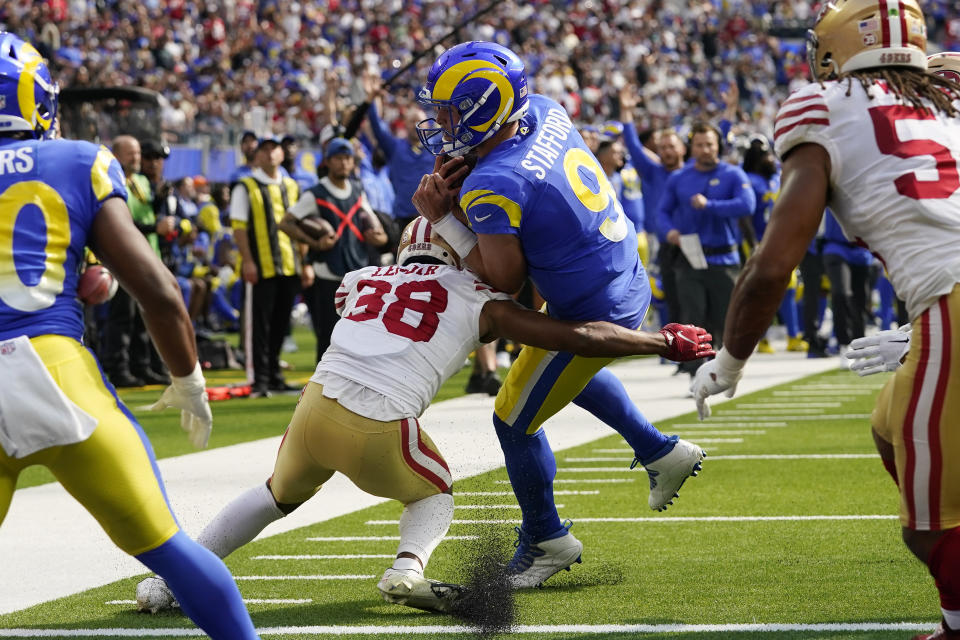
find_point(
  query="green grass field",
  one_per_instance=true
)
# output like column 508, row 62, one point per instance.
column 740, row 547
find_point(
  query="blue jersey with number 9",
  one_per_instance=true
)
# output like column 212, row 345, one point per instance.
column 50, row 192
column 545, row 186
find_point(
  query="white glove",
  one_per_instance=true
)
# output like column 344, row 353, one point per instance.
column 189, row 394
column 880, row 352
column 719, row 375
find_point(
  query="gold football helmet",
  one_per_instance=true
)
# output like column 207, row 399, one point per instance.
column 946, row 64
column 859, row 34
column 419, row 240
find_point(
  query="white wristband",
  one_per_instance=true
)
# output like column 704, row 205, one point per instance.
column 192, row 381
column 728, row 363
column 459, row 237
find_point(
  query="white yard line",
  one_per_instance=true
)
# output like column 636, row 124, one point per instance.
column 788, row 405
column 318, row 577
column 335, row 556
column 828, row 416
column 681, row 519
column 589, row 481
column 712, row 423
column 246, row 600
column 759, row 456
column 798, row 391
column 510, row 493
column 434, row 630
column 378, row 538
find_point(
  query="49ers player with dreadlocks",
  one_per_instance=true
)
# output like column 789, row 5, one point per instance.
column 876, row 138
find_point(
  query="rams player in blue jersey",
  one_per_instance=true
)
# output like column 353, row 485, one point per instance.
column 539, row 205
column 56, row 407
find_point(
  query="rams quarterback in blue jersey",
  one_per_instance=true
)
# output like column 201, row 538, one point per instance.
column 56, row 407
column 538, row 204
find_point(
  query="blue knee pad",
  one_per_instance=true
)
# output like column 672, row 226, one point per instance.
column 531, row 467
column 203, row 586
column 607, row 399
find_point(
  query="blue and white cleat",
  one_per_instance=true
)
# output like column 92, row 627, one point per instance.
column 669, row 472
column 534, row 562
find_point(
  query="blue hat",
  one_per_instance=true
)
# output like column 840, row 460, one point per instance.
column 270, row 137
column 337, row 146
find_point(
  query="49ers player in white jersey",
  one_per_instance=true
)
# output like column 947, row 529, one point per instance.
column 405, row 329
column 877, row 139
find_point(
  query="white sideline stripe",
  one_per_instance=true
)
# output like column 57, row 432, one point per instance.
column 683, row 519
column 510, row 493
column 379, row 538
column 342, row 577
column 788, row 405
column 590, row 481
column 420, row 630
column 246, row 600
column 734, row 440
column 348, row 556
column 708, row 425
column 831, row 416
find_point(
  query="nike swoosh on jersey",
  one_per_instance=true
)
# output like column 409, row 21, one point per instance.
column 479, row 219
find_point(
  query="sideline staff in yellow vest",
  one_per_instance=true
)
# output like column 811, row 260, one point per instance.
column 269, row 263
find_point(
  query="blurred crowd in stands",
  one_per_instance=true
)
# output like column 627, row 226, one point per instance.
column 636, row 76
column 213, row 60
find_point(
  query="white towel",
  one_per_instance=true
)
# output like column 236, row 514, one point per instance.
column 35, row 414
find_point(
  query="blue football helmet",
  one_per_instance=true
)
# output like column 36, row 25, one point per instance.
column 28, row 94
column 481, row 85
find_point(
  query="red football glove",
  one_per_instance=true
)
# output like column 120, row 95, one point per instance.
column 687, row 342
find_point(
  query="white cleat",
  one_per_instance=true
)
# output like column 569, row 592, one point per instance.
column 669, row 472
column 409, row 588
column 534, row 562
column 153, row 595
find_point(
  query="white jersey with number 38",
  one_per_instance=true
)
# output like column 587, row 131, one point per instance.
column 402, row 332
column 894, row 182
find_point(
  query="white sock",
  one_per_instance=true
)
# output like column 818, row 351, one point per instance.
column 952, row 618
column 422, row 526
column 407, row 564
column 240, row 521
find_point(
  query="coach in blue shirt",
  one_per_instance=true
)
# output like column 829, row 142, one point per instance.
column 707, row 198
column 407, row 162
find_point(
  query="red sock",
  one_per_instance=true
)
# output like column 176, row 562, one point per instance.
column 945, row 568
column 891, row 467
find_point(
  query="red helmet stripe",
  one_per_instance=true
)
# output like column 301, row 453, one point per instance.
column 427, row 231
column 885, row 23
column 414, row 231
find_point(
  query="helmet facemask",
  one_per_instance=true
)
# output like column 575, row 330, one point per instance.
column 476, row 88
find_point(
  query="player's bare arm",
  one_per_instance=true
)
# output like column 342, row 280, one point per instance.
column 499, row 261
column 793, row 223
column 507, row 319
column 127, row 254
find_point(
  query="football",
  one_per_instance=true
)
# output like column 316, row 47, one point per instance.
column 315, row 227
column 96, row 285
